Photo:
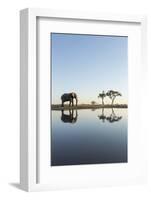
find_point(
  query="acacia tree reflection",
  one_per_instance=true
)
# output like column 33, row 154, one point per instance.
column 112, row 118
column 71, row 117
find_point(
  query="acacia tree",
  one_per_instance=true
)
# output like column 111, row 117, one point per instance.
column 112, row 95
column 93, row 102
column 102, row 96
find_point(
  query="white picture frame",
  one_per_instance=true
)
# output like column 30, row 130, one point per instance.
column 29, row 83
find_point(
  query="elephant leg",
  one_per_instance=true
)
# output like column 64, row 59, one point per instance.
column 62, row 104
column 70, row 112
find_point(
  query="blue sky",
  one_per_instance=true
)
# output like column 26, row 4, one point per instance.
column 88, row 64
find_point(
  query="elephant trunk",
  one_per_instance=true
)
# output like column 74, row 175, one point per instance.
column 76, row 101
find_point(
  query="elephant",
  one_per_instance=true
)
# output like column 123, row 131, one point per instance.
column 69, row 118
column 69, row 97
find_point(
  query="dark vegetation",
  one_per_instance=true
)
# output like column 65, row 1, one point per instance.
column 87, row 106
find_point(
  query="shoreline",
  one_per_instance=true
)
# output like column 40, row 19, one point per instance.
column 87, row 106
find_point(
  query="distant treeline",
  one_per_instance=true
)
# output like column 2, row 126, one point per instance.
column 87, row 106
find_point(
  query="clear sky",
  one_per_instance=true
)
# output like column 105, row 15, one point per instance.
column 88, row 64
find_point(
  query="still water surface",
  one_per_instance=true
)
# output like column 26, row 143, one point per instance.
column 89, row 137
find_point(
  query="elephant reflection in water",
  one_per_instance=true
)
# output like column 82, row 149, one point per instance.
column 112, row 118
column 69, row 118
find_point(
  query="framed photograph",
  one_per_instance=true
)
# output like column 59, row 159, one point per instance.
column 81, row 80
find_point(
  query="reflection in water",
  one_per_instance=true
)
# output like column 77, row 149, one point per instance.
column 88, row 141
column 112, row 118
column 71, row 117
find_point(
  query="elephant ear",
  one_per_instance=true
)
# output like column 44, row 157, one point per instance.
column 73, row 94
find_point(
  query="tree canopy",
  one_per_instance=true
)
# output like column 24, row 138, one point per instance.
column 112, row 94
